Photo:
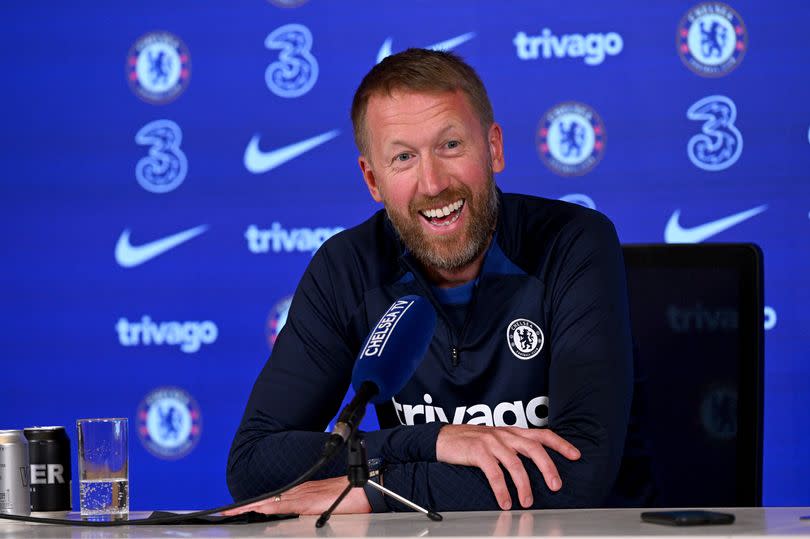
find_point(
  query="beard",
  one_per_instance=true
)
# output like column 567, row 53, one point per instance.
column 451, row 252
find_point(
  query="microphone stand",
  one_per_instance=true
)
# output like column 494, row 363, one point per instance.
column 358, row 475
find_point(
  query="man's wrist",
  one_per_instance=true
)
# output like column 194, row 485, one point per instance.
column 376, row 499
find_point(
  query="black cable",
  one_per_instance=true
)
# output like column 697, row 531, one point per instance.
column 326, row 456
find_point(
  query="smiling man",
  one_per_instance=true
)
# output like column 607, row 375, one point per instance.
column 430, row 162
column 523, row 396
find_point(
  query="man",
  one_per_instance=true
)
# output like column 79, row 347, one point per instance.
column 532, row 323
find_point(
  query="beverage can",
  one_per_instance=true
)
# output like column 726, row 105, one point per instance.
column 15, row 496
column 50, row 471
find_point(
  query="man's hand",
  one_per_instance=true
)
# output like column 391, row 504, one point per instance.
column 487, row 447
column 311, row 498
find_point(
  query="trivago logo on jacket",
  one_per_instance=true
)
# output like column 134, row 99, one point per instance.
column 504, row 414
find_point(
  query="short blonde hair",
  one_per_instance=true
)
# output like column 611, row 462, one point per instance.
column 419, row 70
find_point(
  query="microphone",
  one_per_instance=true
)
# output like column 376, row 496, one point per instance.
column 389, row 357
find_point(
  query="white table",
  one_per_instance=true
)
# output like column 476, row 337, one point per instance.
column 601, row 523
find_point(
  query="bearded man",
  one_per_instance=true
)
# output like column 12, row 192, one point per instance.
column 522, row 399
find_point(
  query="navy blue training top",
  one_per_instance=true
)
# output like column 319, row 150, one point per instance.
column 543, row 340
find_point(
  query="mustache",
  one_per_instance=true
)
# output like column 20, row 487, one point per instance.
column 443, row 199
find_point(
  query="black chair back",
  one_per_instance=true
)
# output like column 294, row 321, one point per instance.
column 695, row 437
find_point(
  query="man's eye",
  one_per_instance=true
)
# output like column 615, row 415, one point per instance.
column 453, row 144
column 402, row 157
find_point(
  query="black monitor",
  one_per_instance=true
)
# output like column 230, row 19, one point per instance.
column 697, row 319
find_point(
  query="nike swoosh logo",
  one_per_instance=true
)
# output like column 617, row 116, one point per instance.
column 445, row 45
column 675, row 233
column 129, row 256
column 257, row 161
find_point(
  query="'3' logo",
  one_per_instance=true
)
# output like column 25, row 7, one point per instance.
column 296, row 70
column 164, row 169
column 720, row 143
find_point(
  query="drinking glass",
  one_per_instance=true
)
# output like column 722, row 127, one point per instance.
column 103, row 467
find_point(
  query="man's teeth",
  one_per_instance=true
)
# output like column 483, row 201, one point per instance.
column 442, row 212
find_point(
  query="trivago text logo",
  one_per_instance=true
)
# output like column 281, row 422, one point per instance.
column 189, row 336
column 280, row 240
column 504, row 414
column 592, row 48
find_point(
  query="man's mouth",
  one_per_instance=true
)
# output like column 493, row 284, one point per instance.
column 445, row 215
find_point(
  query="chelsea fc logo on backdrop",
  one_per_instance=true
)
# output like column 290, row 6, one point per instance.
column 276, row 319
column 712, row 39
column 169, row 423
column 525, row 338
column 571, row 138
column 158, row 67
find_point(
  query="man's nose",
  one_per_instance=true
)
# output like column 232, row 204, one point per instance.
column 433, row 178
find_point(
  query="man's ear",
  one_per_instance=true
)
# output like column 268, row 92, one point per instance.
column 369, row 178
column 495, row 141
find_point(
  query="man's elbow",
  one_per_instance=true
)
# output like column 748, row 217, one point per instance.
column 587, row 481
column 583, row 486
column 234, row 477
column 240, row 474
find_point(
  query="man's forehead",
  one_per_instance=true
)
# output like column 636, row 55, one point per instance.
column 398, row 95
column 408, row 106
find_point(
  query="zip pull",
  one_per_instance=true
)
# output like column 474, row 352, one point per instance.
column 454, row 356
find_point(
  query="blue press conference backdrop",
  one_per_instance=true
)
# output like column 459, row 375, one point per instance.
column 168, row 168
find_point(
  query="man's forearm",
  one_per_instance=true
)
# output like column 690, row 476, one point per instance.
column 263, row 462
column 266, row 463
column 278, row 458
column 449, row 487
